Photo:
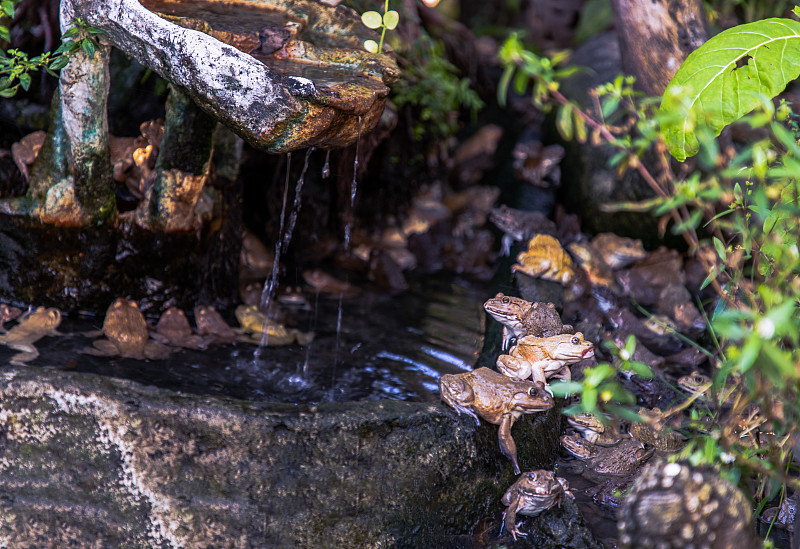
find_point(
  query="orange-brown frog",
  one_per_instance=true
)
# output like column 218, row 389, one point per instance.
column 126, row 334
column 497, row 399
column 532, row 493
column 173, row 329
column 618, row 251
column 31, row 327
column 520, row 317
column 212, row 326
column 545, row 259
column 544, row 357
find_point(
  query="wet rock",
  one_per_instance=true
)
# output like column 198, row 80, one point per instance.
column 89, row 460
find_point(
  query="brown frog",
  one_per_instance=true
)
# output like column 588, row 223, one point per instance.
column 173, row 329
column 126, row 334
column 593, row 264
column 212, row 326
column 602, row 433
column 654, row 430
column 254, row 323
column 322, row 282
column 519, row 225
column 678, row 505
column 497, row 399
column 543, row 357
column 30, row 328
column 621, row 459
column 617, row 251
column 520, row 317
column 545, row 259
column 647, row 277
column 675, row 301
column 532, row 493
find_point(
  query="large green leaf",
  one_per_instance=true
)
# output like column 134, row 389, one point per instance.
column 727, row 77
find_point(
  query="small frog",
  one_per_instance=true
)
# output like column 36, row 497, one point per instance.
column 532, row 493
column 543, row 357
column 653, row 430
column 31, row 327
column 519, row 225
column 622, row 459
column 212, row 326
column 596, row 268
column 520, row 318
column 545, row 259
column 173, row 329
column 606, row 433
column 322, row 282
column 126, row 334
column 618, row 251
column 497, row 399
column 253, row 323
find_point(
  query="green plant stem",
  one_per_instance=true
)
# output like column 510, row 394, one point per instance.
column 383, row 26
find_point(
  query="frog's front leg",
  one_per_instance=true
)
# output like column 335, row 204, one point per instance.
column 510, row 520
column 508, row 335
column 563, row 373
column 29, row 352
column 507, row 444
column 513, row 367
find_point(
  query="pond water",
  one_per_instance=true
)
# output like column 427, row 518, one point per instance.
column 385, row 346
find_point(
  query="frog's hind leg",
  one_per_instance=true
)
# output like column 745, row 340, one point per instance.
column 507, row 444
column 29, row 352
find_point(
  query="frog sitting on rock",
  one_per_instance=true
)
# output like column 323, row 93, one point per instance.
column 496, row 398
column 520, row 317
column 126, row 334
column 532, row 493
column 544, row 357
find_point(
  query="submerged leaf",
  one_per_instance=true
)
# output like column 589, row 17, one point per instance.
column 727, row 77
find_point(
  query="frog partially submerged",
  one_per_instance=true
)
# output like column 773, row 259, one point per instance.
column 623, row 458
column 544, row 357
column 602, row 433
column 520, row 317
column 545, row 259
column 254, row 323
column 30, row 328
column 532, row 493
column 496, row 398
column 126, row 334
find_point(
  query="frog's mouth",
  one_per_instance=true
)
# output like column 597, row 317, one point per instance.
column 588, row 353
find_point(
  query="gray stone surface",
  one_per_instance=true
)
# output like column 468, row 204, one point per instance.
column 87, row 461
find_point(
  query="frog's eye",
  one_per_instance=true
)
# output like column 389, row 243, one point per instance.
column 505, row 300
column 575, row 340
column 532, row 391
column 532, row 476
column 512, row 342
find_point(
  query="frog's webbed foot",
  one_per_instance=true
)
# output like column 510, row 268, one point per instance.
column 459, row 408
column 29, row 352
column 507, row 444
column 512, row 367
column 510, row 524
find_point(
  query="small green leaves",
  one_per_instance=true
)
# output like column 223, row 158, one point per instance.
column 7, row 7
column 88, row 46
column 371, row 46
column 371, row 19
column 374, row 20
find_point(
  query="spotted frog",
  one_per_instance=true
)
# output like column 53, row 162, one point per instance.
column 31, row 327
column 126, row 334
column 602, row 433
column 173, row 329
column 532, row 493
column 545, row 259
column 544, row 357
column 253, row 323
column 621, row 459
column 496, row 398
column 520, row 317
